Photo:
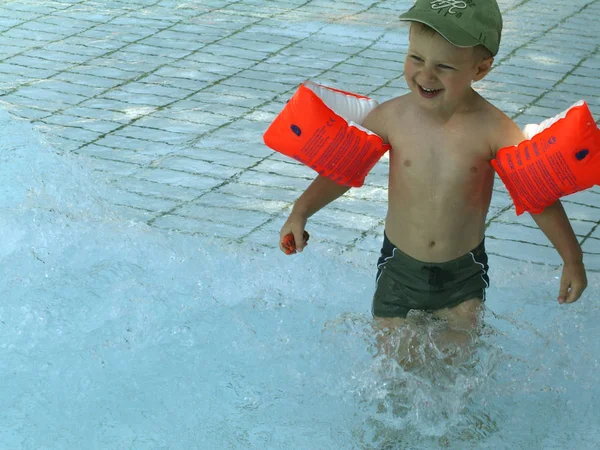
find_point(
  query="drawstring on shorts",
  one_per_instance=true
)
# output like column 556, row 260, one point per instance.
column 438, row 276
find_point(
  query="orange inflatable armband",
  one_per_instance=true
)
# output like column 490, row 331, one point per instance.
column 561, row 158
column 320, row 127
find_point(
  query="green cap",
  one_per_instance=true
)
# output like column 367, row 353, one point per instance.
column 465, row 23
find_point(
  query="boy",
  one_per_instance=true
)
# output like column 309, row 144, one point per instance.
column 443, row 135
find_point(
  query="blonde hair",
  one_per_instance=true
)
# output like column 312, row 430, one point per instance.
column 479, row 51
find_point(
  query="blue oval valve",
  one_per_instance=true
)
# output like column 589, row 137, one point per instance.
column 296, row 130
column 581, row 154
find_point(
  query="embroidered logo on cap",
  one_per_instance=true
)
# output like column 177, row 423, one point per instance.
column 454, row 6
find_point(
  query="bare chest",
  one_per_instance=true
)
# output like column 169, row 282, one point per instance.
column 440, row 157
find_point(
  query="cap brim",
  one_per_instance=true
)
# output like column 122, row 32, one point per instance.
column 449, row 31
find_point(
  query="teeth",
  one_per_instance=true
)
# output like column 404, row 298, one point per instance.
column 429, row 91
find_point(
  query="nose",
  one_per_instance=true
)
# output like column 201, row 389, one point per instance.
column 428, row 74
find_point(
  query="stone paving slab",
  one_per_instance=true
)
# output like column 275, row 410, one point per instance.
column 167, row 100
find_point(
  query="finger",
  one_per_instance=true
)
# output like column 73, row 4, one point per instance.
column 574, row 293
column 299, row 244
column 563, row 291
column 299, row 240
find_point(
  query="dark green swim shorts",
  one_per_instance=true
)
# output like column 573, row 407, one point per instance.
column 404, row 283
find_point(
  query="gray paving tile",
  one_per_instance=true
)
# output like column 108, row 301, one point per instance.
column 145, row 202
column 371, row 242
column 592, row 246
column 198, row 166
column 287, row 169
column 221, row 157
column 197, row 226
column 325, row 233
column 223, row 200
column 113, row 168
column 259, row 192
column 158, row 190
column 523, row 252
column 178, row 178
column 581, row 211
column 223, row 214
column 95, row 125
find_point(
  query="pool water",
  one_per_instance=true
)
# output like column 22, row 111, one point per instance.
column 116, row 335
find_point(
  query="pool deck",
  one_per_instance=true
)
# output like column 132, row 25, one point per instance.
column 167, row 101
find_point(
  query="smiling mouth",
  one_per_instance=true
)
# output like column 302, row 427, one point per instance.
column 429, row 93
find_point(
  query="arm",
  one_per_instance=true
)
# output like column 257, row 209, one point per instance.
column 554, row 223
column 323, row 191
column 320, row 193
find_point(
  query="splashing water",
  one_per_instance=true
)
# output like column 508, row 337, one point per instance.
column 117, row 335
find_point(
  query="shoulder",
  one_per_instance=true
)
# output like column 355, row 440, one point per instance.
column 380, row 119
column 501, row 129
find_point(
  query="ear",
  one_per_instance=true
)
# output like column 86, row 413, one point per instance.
column 483, row 68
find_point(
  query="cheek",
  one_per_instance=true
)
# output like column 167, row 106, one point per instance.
column 409, row 69
column 451, row 80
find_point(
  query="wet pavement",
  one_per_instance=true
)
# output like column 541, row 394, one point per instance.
column 168, row 100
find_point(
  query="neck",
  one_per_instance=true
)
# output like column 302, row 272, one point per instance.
column 446, row 113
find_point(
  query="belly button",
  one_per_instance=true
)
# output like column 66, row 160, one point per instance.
column 473, row 169
column 407, row 163
column 432, row 244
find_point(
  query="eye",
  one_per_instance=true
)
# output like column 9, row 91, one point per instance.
column 445, row 67
column 416, row 58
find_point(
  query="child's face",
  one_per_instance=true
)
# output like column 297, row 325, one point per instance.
column 439, row 73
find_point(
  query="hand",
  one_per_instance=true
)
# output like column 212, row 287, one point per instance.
column 289, row 243
column 572, row 282
column 294, row 225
